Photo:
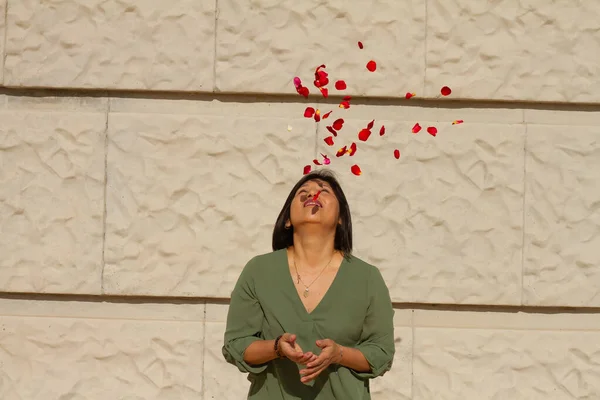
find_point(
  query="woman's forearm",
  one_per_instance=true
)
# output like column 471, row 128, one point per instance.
column 260, row 352
column 354, row 359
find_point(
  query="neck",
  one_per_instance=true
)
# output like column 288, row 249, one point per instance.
column 313, row 250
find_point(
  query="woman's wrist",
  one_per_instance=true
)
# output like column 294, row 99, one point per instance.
column 277, row 347
column 340, row 355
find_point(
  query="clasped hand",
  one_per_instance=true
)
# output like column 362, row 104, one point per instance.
column 330, row 354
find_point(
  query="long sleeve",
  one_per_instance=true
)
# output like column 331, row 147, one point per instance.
column 377, row 338
column 244, row 321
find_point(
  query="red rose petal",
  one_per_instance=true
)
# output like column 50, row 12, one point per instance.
column 316, row 196
column 303, row 90
column 340, row 85
column 330, row 129
column 329, row 140
column 432, row 130
column 382, row 130
column 307, row 169
column 372, row 66
column 370, row 124
column 416, row 128
column 364, row 134
column 409, row 95
column 309, row 112
column 360, row 45
column 355, row 170
column 326, row 159
column 341, row 151
column 317, row 115
column 316, row 162
column 397, row 154
column 352, row 149
column 326, row 115
column 345, row 105
column 324, row 92
column 458, row 121
column 445, row 91
column 347, row 98
column 338, row 124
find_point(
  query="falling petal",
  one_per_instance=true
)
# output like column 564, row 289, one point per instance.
column 297, row 82
column 338, row 124
column 364, row 134
column 326, row 159
column 329, row 140
column 360, row 45
column 317, row 115
column 341, row 151
column 355, row 170
column 370, row 124
column 340, row 85
column 416, row 128
column 324, row 91
column 333, row 131
column 309, row 112
column 307, row 169
column 303, row 90
column 382, row 130
column 316, row 162
column 458, row 121
column 397, row 154
column 352, row 149
column 345, row 104
column 316, row 196
column 321, row 77
column 347, row 98
column 409, row 95
column 432, row 130
column 372, row 66
column 327, row 115
column 445, row 91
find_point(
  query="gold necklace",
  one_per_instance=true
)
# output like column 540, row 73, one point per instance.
column 306, row 288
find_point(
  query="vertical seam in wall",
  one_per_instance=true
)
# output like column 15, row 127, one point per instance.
column 5, row 41
column 412, row 356
column 425, row 49
column 105, row 195
column 524, row 211
column 215, row 47
column 203, row 384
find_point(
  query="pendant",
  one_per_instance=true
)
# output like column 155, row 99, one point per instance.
column 306, row 292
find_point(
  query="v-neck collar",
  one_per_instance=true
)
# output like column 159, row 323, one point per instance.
column 290, row 280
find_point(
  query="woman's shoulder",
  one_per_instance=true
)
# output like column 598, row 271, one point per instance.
column 360, row 266
column 265, row 262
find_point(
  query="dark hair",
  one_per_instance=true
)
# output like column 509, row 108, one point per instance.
column 284, row 237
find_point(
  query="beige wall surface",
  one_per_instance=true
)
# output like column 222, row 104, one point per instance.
column 146, row 148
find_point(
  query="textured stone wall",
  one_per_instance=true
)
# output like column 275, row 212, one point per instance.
column 146, row 148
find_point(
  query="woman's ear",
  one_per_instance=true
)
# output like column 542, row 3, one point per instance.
column 288, row 225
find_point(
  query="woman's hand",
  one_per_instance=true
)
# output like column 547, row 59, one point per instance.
column 331, row 354
column 290, row 349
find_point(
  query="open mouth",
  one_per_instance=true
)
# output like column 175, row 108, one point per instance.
column 312, row 203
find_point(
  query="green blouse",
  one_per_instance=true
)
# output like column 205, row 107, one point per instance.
column 356, row 312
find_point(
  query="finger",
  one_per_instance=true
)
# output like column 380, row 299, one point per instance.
column 319, row 360
column 304, row 358
column 312, row 376
column 315, row 363
column 289, row 337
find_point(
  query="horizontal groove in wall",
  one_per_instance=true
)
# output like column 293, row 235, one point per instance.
column 175, row 300
column 294, row 98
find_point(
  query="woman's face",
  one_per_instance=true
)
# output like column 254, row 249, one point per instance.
column 305, row 209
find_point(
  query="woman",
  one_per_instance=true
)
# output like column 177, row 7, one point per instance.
column 309, row 320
